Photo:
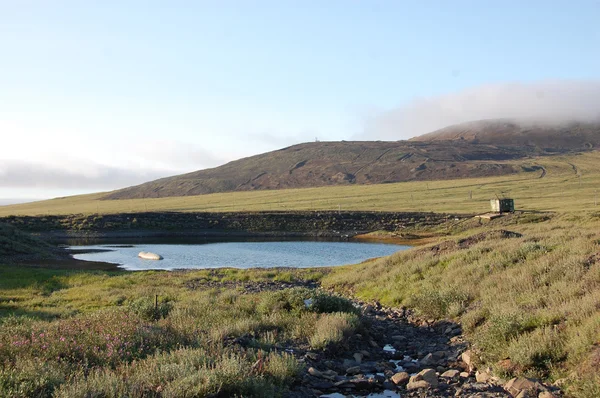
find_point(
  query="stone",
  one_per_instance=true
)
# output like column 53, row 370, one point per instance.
column 467, row 358
column 518, row 385
column 314, row 372
column 546, row 394
column 353, row 370
column 415, row 385
column 312, row 355
column 429, row 376
column 464, row 375
column 400, row 378
column 451, row 374
column 482, row 377
column 348, row 363
column 358, row 357
column 427, row 360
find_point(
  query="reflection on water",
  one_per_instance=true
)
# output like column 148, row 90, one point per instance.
column 243, row 254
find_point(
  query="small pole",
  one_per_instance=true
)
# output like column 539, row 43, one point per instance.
column 156, row 306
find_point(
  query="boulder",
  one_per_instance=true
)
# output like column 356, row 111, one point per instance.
column 467, row 358
column 482, row 377
column 524, row 385
column 400, row 378
column 451, row 374
column 426, row 375
column 314, row 372
column 415, row 385
column 149, row 256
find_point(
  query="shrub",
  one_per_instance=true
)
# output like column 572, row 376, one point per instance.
column 538, row 350
column 148, row 309
column 28, row 378
column 301, row 299
column 439, row 304
column 332, row 328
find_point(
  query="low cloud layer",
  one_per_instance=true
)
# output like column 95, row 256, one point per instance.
column 546, row 101
column 24, row 174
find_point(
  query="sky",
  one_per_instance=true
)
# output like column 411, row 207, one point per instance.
column 96, row 96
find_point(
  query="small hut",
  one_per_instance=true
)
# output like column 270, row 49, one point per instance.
column 502, row 205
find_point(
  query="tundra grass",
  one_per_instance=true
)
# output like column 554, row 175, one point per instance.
column 570, row 183
column 75, row 334
column 526, row 290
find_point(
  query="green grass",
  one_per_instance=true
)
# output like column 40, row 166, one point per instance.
column 570, row 184
column 531, row 297
column 77, row 333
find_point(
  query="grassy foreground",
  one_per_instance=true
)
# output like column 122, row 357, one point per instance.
column 570, row 183
column 526, row 289
column 97, row 334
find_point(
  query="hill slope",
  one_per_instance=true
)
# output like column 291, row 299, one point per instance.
column 479, row 149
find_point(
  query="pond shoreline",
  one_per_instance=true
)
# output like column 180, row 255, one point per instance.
column 248, row 224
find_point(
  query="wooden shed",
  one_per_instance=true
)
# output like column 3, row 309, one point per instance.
column 502, row 205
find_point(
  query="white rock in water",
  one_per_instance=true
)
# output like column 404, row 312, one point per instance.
column 150, row 256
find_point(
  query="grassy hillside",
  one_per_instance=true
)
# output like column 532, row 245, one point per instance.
column 526, row 289
column 16, row 243
column 569, row 183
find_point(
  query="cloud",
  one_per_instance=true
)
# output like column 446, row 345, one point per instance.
column 175, row 155
column 545, row 101
column 25, row 174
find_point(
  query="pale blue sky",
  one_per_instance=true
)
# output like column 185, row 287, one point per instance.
column 97, row 95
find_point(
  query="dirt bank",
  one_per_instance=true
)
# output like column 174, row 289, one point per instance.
column 273, row 224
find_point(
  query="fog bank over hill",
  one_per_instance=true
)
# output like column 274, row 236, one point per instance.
column 551, row 102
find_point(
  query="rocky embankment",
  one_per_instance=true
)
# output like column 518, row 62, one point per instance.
column 392, row 354
column 398, row 354
column 310, row 224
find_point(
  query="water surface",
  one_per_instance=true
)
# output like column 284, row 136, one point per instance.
column 294, row 254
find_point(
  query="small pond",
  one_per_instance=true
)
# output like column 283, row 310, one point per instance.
column 246, row 254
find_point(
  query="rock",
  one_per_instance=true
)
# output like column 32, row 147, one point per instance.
column 353, row 370
column 314, row 372
column 400, row 378
column 466, row 357
column 415, row 385
column 312, row 355
column 398, row 338
column 427, row 360
column 464, row 375
column 149, row 256
column 348, row 363
column 322, row 385
column 451, row 374
column 365, row 353
column 546, row 394
column 438, row 355
column 358, row 357
column 523, row 384
column 482, row 377
column 429, row 376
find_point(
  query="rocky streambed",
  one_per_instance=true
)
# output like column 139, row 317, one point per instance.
column 392, row 354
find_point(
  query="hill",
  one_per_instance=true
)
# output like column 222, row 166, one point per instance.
column 477, row 149
column 575, row 136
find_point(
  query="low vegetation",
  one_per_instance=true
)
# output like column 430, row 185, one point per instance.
column 75, row 333
column 569, row 183
column 525, row 288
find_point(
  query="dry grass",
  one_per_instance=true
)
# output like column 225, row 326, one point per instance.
column 570, row 184
column 533, row 298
